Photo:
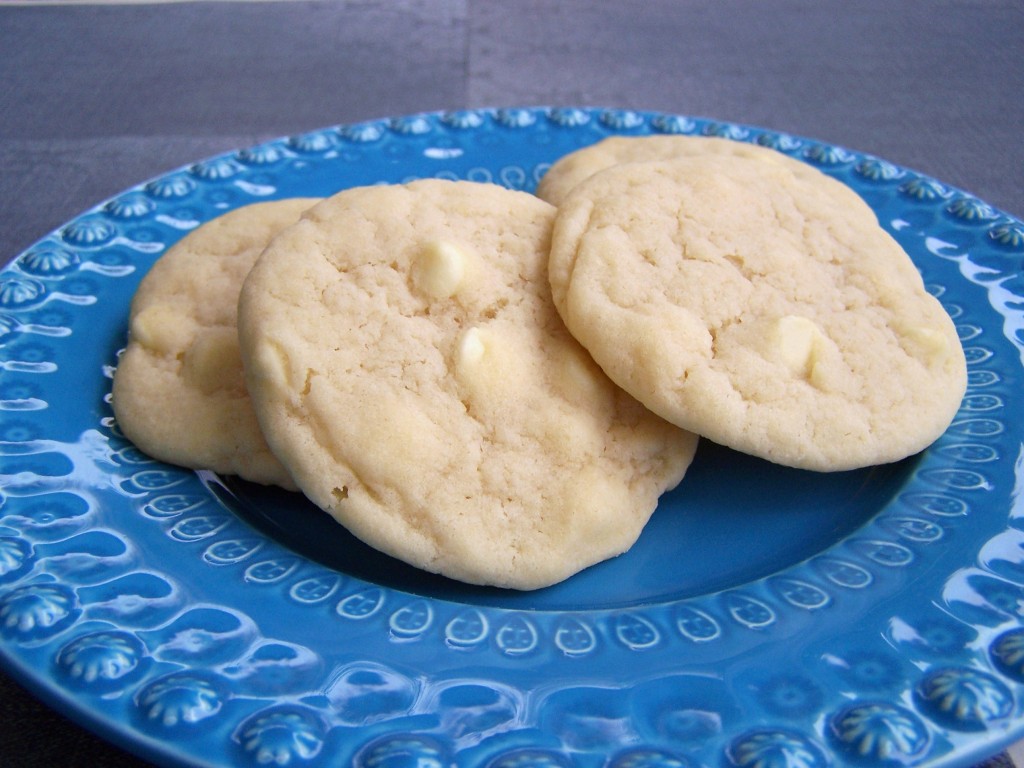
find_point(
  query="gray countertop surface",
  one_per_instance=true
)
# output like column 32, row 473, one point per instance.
column 95, row 98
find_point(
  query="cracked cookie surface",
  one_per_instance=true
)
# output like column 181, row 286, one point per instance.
column 178, row 390
column 409, row 368
column 759, row 305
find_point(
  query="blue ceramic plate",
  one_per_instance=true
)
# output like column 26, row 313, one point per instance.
column 767, row 617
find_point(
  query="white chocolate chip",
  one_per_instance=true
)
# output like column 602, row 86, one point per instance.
column 213, row 362
column 439, row 269
column 487, row 363
column 158, row 328
column 579, row 379
column 798, row 343
column 273, row 365
column 471, row 350
column 927, row 343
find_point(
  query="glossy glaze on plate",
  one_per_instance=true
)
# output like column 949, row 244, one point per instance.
column 767, row 617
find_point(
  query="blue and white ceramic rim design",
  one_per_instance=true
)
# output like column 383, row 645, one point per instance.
column 143, row 601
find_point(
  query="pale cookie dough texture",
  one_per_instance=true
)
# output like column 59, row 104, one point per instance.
column 411, row 371
column 569, row 170
column 179, row 391
column 763, row 308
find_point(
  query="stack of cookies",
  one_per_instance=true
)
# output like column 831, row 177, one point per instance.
column 498, row 386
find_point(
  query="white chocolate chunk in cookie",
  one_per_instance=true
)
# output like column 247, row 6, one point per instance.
column 470, row 354
column 274, row 363
column 928, row 344
column 484, row 365
column 161, row 329
column 798, row 342
column 439, row 269
column 579, row 380
column 213, row 363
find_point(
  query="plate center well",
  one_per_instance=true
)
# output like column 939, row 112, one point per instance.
column 733, row 519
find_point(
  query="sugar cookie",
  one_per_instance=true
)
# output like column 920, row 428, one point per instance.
column 761, row 307
column 410, row 370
